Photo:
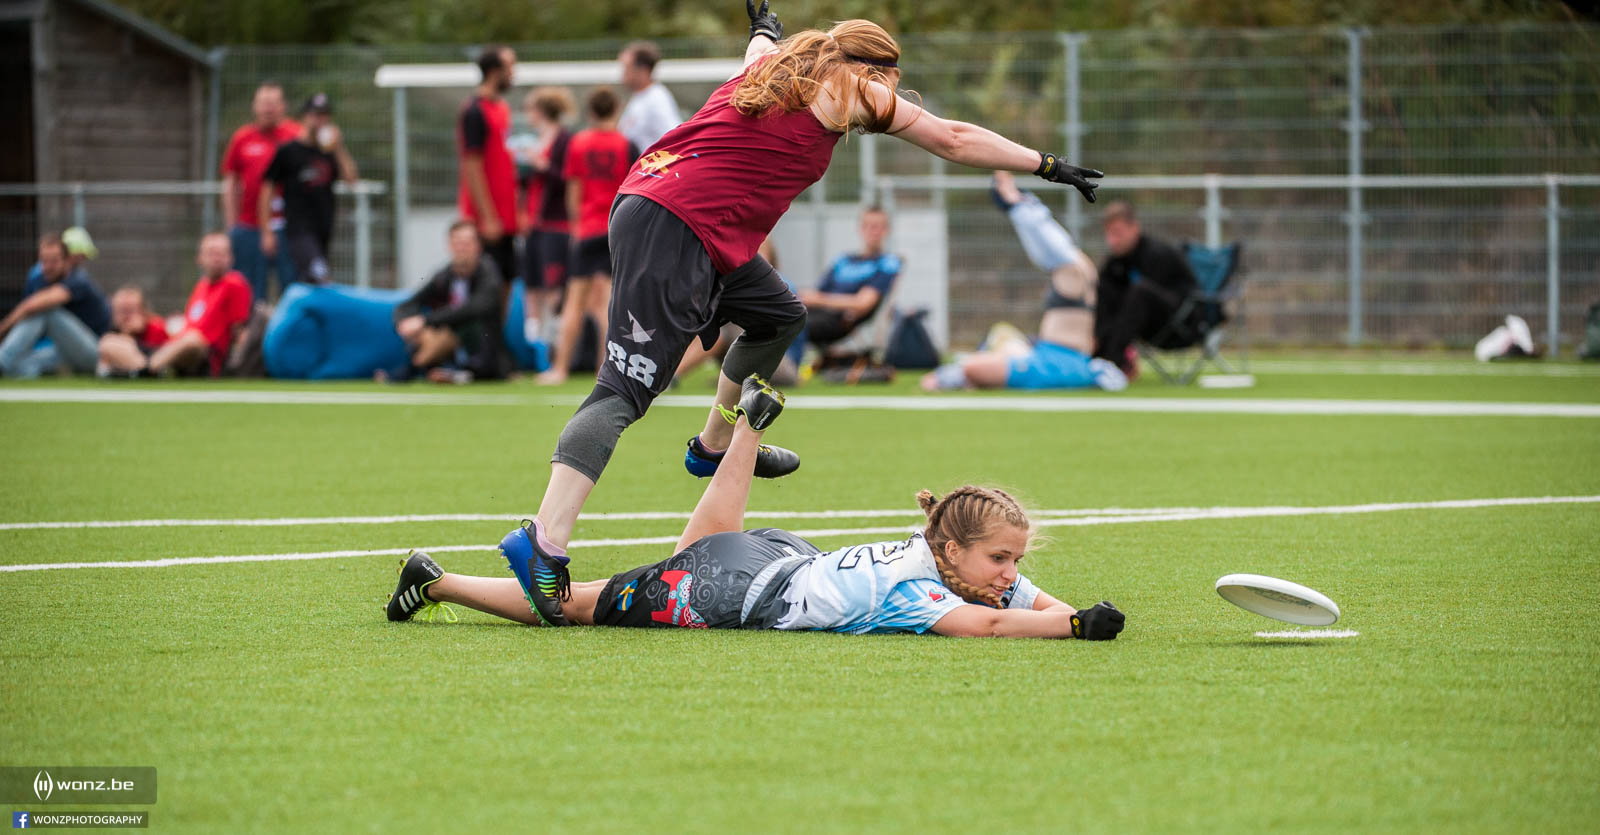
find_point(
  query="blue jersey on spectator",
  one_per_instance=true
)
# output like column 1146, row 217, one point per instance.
column 84, row 299
column 850, row 273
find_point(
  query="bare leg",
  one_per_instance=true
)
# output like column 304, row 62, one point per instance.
column 987, row 371
column 722, row 505
column 502, row 597
column 434, row 346
column 571, row 327
column 718, row 433
column 563, row 498
column 119, row 352
column 599, row 307
column 185, row 349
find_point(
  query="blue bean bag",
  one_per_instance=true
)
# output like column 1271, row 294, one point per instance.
column 332, row 332
column 335, row 332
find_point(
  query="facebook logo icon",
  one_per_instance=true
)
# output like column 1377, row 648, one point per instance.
column 19, row 820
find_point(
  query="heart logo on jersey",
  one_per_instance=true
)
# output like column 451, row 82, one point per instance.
column 935, row 596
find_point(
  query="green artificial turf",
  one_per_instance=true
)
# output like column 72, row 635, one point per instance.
column 274, row 696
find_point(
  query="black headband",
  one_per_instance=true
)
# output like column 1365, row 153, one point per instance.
column 876, row 62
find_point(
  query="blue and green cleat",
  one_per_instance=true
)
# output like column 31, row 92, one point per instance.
column 543, row 576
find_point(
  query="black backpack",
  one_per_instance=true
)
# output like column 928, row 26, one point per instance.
column 910, row 346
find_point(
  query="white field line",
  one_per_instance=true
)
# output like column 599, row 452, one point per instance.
column 1310, row 633
column 1423, row 368
column 896, row 403
column 1185, row 516
column 295, row 522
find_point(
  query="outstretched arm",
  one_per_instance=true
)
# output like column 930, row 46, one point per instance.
column 1049, row 618
column 966, row 143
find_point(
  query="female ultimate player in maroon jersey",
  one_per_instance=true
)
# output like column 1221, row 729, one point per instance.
column 691, row 213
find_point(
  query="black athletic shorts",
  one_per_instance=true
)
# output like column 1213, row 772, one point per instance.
column 665, row 292
column 545, row 256
column 504, row 254
column 729, row 580
column 591, row 256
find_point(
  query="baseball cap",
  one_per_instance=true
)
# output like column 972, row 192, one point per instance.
column 319, row 103
column 78, row 242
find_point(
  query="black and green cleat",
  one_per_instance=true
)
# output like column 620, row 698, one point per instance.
column 410, row 600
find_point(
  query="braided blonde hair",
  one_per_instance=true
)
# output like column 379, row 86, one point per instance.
column 964, row 516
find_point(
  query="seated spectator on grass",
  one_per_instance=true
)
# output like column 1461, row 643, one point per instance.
column 60, row 303
column 218, row 306
column 451, row 325
column 854, row 286
column 136, row 332
column 1142, row 284
column 1060, row 357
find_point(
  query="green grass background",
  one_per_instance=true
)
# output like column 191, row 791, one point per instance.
column 275, row 696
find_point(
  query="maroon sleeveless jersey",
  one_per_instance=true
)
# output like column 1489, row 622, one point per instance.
column 729, row 177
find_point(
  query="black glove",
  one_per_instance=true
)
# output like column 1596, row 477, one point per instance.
column 1100, row 622
column 1053, row 169
column 763, row 22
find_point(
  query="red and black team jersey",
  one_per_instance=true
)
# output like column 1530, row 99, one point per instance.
column 551, row 214
column 599, row 159
column 729, row 177
column 481, row 131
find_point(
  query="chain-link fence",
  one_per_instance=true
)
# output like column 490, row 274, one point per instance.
column 1430, row 266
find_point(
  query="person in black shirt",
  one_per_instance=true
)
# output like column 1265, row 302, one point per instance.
column 451, row 324
column 303, row 172
column 1142, row 284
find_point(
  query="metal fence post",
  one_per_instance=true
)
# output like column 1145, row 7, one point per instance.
column 80, row 215
column 1072, row 128
column 869, row 169
column 363, row 236
column 1213, row 210
column 1354, row 127
column 1552, row 236
column 402, row 185
column 213, row 117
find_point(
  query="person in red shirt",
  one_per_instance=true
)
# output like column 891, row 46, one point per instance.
column 547, row 249
column 684, row 234
column 219, row 304
column 136, row 332
column 488, row 192
column 243, row 165
column 596, row 164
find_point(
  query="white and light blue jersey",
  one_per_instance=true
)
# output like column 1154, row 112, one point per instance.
column 881, row 587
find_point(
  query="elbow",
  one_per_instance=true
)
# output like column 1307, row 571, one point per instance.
column 955, row 142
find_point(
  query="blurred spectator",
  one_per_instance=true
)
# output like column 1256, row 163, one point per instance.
column 218, row 306
column 249, row 152
column 80, row 248
column 488, row 192
column 136, row 332
column 854, row 286
column 1059, row 357
column 301, row 173
column 60, row 303
column 547, row 249
column 597, row 161
column 1142, row 283
column 651, row 110
column 452, row 323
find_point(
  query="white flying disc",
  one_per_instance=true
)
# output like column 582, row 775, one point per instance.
column 1278, row 599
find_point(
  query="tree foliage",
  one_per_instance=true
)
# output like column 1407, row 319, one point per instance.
column 477, row 21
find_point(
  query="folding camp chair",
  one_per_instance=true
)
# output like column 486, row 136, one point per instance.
column 1197, row 325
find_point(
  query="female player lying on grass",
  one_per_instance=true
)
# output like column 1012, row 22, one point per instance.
column 958, row 577
column 1061, row 358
